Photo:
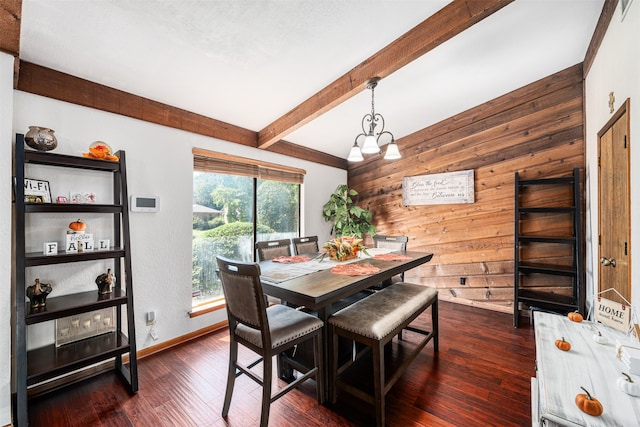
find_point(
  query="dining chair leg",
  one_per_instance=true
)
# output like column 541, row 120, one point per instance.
column 318, row 358
column 267, row 380
column 231, row 376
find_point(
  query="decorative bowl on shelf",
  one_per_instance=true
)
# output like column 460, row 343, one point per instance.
column 40, row 138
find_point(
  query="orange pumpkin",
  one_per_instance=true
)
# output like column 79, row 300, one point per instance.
column 589, row 404
column 78, row 225
column 563, row 345
column 575, row 316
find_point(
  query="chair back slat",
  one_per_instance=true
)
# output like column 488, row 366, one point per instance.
column 270, row 249
column 398, row 243
column 305, row 245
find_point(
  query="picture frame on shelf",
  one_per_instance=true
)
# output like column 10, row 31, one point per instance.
column 36, row 191
column 83, row 198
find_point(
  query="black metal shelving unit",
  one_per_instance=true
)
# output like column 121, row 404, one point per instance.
column 45, row 363
column 548, row 299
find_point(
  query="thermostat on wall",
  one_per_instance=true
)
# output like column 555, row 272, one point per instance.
column 145, row 203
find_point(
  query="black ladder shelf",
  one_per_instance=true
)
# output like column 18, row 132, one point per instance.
column 35, row 366
column 549, row 298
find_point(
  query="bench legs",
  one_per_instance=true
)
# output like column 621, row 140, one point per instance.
column 377, row 348
column 378, row 382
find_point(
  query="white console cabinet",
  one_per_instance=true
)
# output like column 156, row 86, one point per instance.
column 594, row 366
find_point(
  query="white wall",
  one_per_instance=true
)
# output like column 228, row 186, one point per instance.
column 159, row 162
column 6, row 112
column 615, row 69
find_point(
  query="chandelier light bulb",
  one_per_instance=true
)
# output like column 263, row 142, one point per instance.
column 370, row 145
column 355, row 155
column 392, row 152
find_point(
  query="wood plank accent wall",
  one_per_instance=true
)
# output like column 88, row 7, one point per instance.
column 536, row 130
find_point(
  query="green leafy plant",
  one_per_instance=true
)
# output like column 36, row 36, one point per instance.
column 348, row 218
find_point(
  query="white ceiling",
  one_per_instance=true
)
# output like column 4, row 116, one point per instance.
column 248, row 62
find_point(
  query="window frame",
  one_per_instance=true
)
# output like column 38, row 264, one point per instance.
column 214, row 162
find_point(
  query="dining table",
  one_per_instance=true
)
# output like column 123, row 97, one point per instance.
column 311, row 284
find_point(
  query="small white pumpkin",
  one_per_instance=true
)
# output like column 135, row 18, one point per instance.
column 599, row 338
column 627, row 385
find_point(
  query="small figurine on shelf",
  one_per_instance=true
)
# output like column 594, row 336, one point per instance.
column 105, row 281
column 101, row 150
column 37, row 294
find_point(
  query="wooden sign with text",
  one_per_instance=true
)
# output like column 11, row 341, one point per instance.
column 438, row 189
column 612, row 313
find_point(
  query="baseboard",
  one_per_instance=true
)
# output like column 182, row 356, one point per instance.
column 148, row 351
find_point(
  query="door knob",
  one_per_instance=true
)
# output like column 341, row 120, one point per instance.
column 608, row 262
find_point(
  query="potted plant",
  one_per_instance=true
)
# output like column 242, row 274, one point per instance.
column 348, row 219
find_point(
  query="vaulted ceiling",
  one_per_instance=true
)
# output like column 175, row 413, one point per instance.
column 295, row 70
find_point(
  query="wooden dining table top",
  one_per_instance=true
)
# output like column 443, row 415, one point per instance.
column 320, row 289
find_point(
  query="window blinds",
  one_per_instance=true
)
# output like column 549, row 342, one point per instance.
column 210, row 161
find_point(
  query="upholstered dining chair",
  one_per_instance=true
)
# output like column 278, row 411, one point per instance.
column 269, row 249
column 305, row 245
column 267, row 331
column 397, row 243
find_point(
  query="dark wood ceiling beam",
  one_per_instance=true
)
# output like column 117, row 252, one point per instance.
column 10, row 20
column 10, row 17
column 304, row 153
column 608, row 9
column 65, row 87
column 451, row 20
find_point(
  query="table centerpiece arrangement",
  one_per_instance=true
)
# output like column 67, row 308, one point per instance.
column 343, row 248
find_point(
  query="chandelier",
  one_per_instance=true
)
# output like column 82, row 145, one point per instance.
column 371, row 137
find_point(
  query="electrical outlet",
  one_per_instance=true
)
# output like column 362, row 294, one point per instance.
column 151, row 318
column 463, row 281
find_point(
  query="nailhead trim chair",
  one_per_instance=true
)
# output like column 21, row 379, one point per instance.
column 267, row 331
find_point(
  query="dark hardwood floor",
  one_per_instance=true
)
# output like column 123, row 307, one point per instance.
column 480, row 377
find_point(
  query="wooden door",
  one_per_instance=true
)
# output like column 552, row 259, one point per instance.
column 614, row 214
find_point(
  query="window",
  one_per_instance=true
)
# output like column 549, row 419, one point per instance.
column 237, row 202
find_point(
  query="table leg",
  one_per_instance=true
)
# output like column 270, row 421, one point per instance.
column 324, row 314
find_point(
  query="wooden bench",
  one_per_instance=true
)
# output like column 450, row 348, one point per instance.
column 373, row 322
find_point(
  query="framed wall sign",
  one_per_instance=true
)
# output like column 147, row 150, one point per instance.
column 438, row 189
column 36, row 191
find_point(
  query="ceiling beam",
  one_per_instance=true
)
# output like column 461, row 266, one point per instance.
column 449, row 21
column 10, row 17
column 608, row 9
column 10, row 20
column 65, row 87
